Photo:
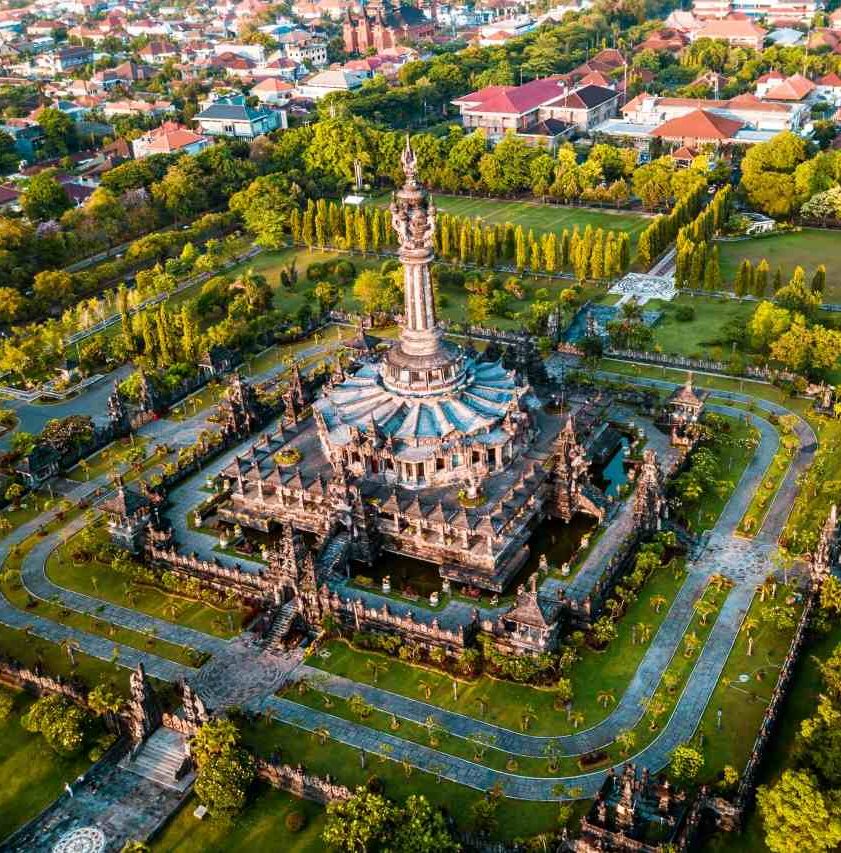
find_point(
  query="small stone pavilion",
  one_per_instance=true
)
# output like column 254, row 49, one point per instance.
column 682, row 413
column 129, row 514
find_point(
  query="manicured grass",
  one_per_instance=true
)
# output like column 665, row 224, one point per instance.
column 260, row 827
column 33, row 774
column 98, row 580
column 806, row 248
column 708, row 382
column 452, row 300
column 608, row 670
column 540, row 217
column 772, row 478
column 732, row 453
column 13, row 590
column 31, row 651
column 820, row 489
column 515, row 819
column 117, row 457
column 699, row 337
column 743, row 703
column 800, row 702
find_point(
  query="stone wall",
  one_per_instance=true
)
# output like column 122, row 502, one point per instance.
column 17, row 675
column 301, row 784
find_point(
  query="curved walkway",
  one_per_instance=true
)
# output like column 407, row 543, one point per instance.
column 744, row 560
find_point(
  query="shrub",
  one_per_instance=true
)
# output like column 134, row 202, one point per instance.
column 315, row 271
column 295, row 822
column 7, row 702
column 345, row 271
column 685, row 313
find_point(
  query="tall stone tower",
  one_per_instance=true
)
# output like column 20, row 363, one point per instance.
column 650, row 498
column 421, row 362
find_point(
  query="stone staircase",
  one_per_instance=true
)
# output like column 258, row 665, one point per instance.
column 281, row 625
column 333, row 554
column 161, row 759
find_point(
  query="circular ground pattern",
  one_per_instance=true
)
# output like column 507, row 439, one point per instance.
column 239, row 674
column 83, row 839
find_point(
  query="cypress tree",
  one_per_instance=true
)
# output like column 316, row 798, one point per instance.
column 521, row 252
column 334, row 222
column 308, row 226
column 189, row 332
column 550, row 253
column 148, row 334
column 464, row 244
column 295, row 225
column 624, row 252
column 445, row 247
column 535, row 255
column 162, row 327
column 696, row 272
column 491, row 249
column 597, row 256
column 564, row 248
column 819, row 279
column 760, row 278
column 361, row 229
column 778, row 278
column 376, row 230
column 712, row 271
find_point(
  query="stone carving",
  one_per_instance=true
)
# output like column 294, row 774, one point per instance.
column 144, row 715
column 650, row 506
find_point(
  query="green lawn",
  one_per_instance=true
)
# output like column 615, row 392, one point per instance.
column 699, row 337
column 117, row 457
column 97, row 579
column 732, row 454
column 744, row 689
column 515, row 819
column 260, row 827
column 540, row 217
column 31, row 651
column 800, row 703
column 608, row 670
column 806, row 248
column 33, row 774
column 451, row 300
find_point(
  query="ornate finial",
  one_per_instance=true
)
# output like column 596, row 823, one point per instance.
column 407, row 159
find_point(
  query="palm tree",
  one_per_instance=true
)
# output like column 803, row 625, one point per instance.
column 670, row 681
column 527, row 717
column 426, row 687
column 658, row 602
column 605, row 698
column 626, row 740
column 643, row 632
column 576, row 718
column 376, row 668
column 748, row 627
column 552, row 753
column 322, row 734
column 433, row 731
column 70, row 646
column 385, row 752
column 655, row 707
column 360, row 707
column 704, row 609
column 482, row 701
column 690, row 644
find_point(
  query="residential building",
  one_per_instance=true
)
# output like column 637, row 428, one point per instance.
column 794, row 88
column 273, row 91
column 777, row 11
column 130, row 107
column 829, row 88
column 68, row 58
column 232, row 117
column 381, row 25
column 736, row 31
column 499, row 109
column 158, row 52
column 329, row 81
column 169, row 138
column 28, row 136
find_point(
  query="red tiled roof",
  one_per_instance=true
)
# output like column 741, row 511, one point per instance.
column 747, row 101
column 699, row 124
column 731, row 27
column 514, row 100
column 831, row 79
column 793, row 88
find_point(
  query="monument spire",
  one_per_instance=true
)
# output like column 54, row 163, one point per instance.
column 420, row 362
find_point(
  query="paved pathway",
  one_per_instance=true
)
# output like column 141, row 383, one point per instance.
column 248, row 675
column 110, row 807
